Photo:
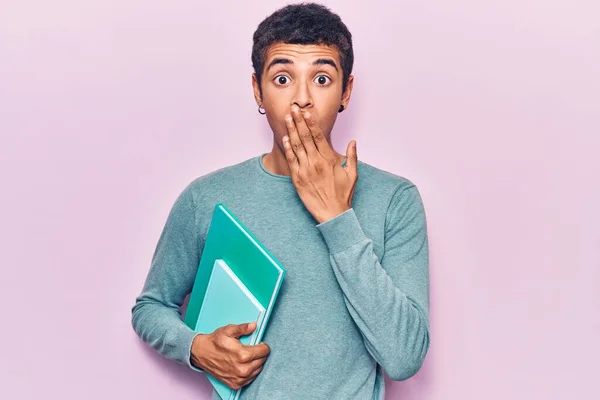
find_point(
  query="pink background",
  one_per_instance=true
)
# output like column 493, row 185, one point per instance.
column 109, row 108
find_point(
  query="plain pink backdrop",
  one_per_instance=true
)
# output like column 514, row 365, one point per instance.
column 109, row 108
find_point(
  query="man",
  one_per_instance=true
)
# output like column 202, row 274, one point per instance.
column 353, row 238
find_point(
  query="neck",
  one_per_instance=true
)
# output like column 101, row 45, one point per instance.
column 276, row 162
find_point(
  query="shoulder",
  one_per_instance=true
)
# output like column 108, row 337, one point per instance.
column 221, row 179
column 382, row 182
column 384, row 190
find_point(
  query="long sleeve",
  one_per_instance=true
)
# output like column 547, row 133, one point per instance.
column 388, row 299
column 156, row 315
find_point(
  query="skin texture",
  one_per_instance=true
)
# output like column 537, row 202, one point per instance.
column 303, row 88
column 311, row 96
column 324, row 186
column 222, row 354
column 301, row 101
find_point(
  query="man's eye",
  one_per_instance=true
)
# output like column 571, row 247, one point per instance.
column 322, row 79
column 282, row 79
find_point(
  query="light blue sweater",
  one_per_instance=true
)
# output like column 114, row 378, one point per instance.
column 355, row 299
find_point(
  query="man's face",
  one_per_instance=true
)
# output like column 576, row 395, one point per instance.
column 307, row 75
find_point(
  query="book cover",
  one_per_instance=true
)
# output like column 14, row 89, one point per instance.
column 227, row 301
column 251, row 262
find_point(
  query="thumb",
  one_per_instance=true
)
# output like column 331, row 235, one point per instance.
column 242, row 329
column 351, row 156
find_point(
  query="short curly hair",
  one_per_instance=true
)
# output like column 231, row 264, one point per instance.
column 304, row 23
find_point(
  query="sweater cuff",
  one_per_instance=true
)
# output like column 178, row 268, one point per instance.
column 342, row 231
column 187, row 339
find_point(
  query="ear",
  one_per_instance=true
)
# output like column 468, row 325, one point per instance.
column 256, row 88
column 346, row 95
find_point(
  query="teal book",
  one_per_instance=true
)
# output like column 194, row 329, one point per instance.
column 238, row 281
column 227, row 301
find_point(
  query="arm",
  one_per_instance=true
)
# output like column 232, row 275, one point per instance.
column 156, row 315
column 388, row 300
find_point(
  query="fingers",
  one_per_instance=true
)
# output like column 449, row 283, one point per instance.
column 290, row 156
column 317, row 136
column 236, row 331
column 246, row 374
column 297, row 154
column 254, row 364
column 255, row 372
column 249, row 365
column 232, row 362
column 249, row 370
column 259, row 351
column 253, row 355
column 245, row 353
column 304, row 132
column 351, row 157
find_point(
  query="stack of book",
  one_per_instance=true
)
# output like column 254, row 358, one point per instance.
column 238, row 281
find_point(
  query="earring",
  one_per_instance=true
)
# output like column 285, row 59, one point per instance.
column 261, row 112
column 341, row 109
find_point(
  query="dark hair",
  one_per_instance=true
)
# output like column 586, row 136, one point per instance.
column 305, row 23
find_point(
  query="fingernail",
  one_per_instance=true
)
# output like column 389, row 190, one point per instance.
column 307, row 115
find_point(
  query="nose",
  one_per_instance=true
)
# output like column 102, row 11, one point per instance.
column 302, row 96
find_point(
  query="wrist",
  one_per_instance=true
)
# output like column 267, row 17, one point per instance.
column 198, row 345
column 329, row 216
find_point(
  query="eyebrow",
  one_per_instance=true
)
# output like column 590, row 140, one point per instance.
column 318, row 61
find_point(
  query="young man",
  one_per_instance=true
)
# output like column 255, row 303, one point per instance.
column 353, row 238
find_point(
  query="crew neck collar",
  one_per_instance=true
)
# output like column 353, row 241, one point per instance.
column 283, row 178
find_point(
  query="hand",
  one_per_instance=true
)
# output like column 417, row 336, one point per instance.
column 223, row 356
column 324, row 186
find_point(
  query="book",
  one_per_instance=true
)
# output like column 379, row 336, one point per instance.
column 236, row 252
column 227, row 301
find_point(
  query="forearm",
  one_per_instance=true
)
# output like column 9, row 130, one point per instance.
column 394, row 326
column 156, row 314
column 163, row 329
